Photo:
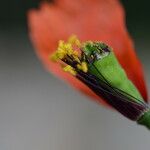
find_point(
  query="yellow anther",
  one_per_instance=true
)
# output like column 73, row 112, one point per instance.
column 79, row 67
column 75, row 53
column 62, row 50
column 68, row 48
column 69, row 69
column 76, row 58
column 53, row 57
column 84, row 67
column 61, row 44
column 61, row 53
column 74, row 40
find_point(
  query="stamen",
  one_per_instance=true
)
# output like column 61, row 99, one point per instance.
column 69, row 69
column 67, row 52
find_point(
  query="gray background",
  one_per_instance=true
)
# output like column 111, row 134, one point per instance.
column 40, row 112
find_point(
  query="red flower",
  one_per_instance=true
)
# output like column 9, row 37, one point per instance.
column 102, row 20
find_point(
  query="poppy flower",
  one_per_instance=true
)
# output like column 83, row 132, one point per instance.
column 95, row 20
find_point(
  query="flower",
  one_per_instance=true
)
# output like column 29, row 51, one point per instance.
column 94, row 63
column 100, row 20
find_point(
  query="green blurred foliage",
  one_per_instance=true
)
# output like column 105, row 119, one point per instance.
column 137, row 14
column 14, row 12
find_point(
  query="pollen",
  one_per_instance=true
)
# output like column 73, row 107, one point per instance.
column 70, row 69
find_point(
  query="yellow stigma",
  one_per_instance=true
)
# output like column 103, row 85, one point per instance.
column 69, row 69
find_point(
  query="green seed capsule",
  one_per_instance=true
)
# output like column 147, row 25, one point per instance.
column 104, row 65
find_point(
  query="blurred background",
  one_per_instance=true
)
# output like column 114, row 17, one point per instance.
column 39, row 112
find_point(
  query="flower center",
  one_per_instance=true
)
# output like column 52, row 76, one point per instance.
column 76, row 56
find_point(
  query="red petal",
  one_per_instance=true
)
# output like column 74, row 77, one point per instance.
column 90, row 20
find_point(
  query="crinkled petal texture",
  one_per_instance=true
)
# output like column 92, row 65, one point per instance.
column 100, row 20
